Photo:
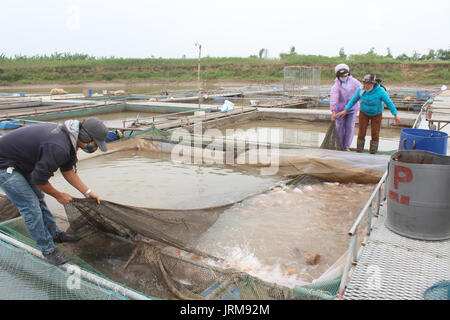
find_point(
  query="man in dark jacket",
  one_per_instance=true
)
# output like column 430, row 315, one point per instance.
column 29, row 156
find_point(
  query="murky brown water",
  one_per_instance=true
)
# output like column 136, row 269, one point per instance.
column 271, row 235
column 144, row 179
column 304, row 133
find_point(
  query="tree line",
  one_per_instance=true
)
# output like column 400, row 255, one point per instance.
column 432, row 55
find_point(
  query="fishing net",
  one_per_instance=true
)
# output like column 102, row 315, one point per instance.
column 330, row 165
column 154, row 250
column 157, row 134
column 24, row 276
column 172, row 257
column 438, row 291
column 326, row 290
column 165, row 242
column 331, row 140
column 178, row 228
column 155, row 271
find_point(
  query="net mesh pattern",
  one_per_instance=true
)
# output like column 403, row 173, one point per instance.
column 169, row 268
column 165, row 240
column 438, row 291
column 26, row 277
column 331, row 140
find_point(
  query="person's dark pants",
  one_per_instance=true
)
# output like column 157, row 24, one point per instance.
column 375, row 127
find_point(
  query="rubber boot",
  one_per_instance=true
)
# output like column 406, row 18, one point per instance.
column 373, row 147
column 360, row 145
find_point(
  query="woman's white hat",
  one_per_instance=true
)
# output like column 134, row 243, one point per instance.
column 341, row 68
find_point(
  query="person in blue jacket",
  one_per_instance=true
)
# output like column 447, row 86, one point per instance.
column 29, row 156
column 372, row 96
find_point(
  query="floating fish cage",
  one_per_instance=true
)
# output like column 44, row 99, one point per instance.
column 168, row 253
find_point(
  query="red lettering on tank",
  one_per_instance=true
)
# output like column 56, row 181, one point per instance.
column 393, row 195
column 405, row 178
column 403, row 199
column 401, row 175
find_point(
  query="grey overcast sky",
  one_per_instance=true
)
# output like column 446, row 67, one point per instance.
column 230, row 28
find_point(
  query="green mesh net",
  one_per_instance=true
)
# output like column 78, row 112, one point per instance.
column 157, row 134
column 15, row 228
column 24, row 276
column 326, row 290
column 438, row 291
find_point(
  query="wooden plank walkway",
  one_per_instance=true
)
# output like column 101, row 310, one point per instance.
column 438, row 113
column 40, row 110
column 325, row 115
column 165, row 124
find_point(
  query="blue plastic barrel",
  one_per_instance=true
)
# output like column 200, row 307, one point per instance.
column 422, row 139
column 324, row 100
column 112, row 136
column 7, row 124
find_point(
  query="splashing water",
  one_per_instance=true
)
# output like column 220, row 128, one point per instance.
column 287, row 236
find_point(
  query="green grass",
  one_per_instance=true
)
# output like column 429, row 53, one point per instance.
column 76, row 68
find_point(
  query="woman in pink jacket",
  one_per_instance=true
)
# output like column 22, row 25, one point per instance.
column 343, row 90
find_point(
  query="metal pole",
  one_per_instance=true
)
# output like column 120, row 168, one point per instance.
column 369, row 219
column 346, row 268
column 378, row 202
column 355, row 248
column 198, row 71
column 369, row 202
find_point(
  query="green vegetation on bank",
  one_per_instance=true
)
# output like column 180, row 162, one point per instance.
column 432, row 68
